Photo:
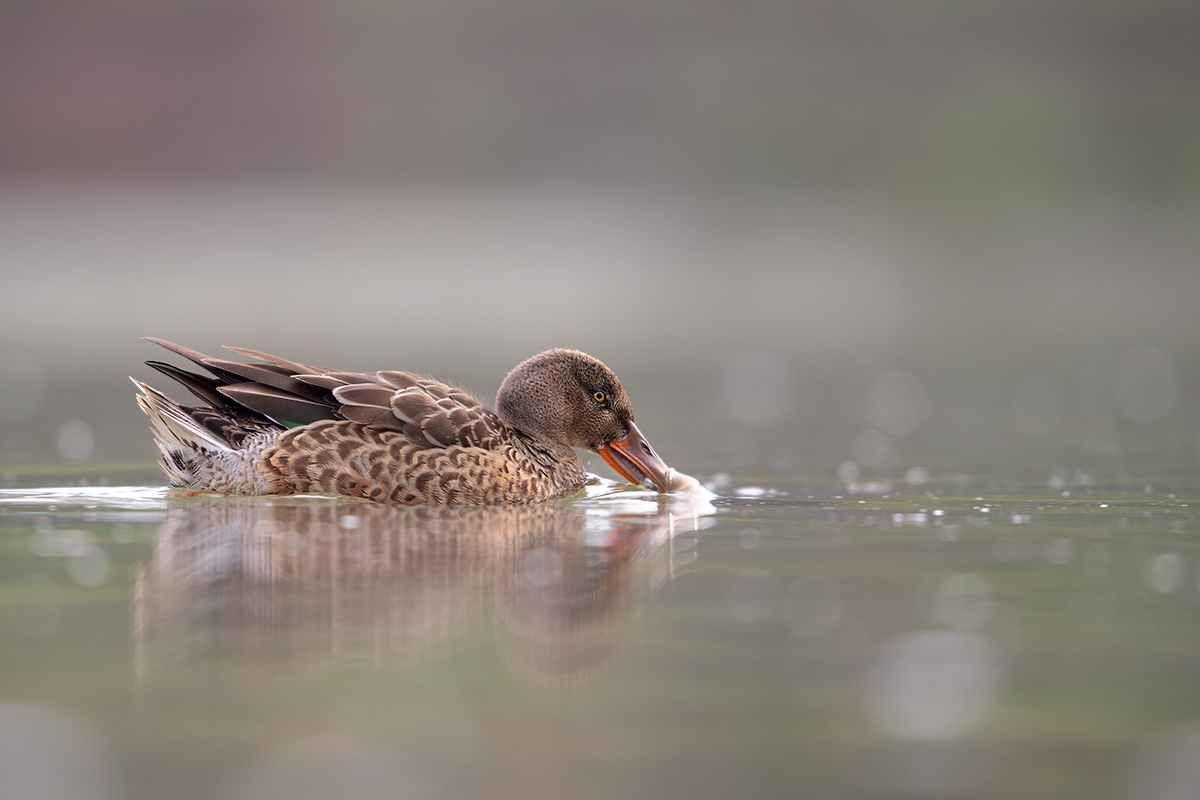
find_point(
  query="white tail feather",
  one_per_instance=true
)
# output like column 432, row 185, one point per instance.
column 173, row 429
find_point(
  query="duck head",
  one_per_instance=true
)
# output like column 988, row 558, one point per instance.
column 570, row 398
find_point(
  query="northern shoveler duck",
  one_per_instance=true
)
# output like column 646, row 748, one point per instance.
column 278, row 427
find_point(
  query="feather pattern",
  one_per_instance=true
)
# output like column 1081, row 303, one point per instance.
column 387, row 436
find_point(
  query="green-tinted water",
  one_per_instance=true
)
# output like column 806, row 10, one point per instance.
column 789, row 640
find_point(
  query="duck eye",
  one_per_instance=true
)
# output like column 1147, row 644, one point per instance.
column 598, row 397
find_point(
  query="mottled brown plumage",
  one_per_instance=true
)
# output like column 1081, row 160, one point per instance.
column 280, row 427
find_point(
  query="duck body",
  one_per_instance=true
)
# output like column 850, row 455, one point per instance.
column 279, row 427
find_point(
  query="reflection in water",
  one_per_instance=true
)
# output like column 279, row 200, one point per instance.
column 327, row 767
column 305, row 580
column 932, row 685
column 48, row 752
column 1168, row 768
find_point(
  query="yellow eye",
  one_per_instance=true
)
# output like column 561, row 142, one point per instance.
column 598, row 397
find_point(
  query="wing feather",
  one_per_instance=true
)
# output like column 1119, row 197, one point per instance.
column 290, row 366
column 398, row 380
column 371, row 415
column 446, row 416
column 364, row 394
column 427, row 412
column 272, row 375
column 284, row 408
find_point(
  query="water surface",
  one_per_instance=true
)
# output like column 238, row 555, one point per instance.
column 788, row 639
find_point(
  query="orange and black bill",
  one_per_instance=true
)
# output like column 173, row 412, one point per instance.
column 636, row 461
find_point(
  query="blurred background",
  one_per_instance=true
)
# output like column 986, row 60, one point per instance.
column 834, row 239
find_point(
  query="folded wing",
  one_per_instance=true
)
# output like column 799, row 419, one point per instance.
column 429, row 413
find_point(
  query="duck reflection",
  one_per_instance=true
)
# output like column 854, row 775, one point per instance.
column 303, row 580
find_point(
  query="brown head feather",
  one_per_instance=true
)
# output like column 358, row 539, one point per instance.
column 566, row 397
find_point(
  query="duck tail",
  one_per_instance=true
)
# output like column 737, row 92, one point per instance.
column 181, row 438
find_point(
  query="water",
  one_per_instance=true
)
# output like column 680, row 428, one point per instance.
column 920, row 277
column 953, row 555
column 788, row 639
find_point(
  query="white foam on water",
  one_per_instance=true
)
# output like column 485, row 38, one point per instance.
column 126, row 497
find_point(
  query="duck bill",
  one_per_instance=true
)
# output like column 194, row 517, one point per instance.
column 636, row 461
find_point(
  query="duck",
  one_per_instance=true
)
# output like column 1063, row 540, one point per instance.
column 276, row 427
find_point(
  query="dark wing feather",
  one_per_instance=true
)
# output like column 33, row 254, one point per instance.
column 197, row 358
column 277, row 404
column 428, row 412
column 203, row 387
column 268, row 391
column 272, row 375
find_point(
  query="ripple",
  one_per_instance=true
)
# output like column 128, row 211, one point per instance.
column 126, row 497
